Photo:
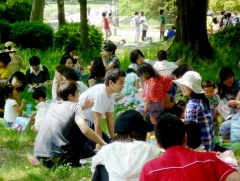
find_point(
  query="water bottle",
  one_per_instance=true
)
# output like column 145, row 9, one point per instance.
column 148, row 140
column 153, row 141
column 29, row 109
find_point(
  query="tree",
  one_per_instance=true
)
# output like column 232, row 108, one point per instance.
column 84, row 26
column 191, row 41
column 37, row 10
column 61, row 13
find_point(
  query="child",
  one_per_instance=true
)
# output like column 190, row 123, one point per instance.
column 37, row 74
column 110, row 19
column 197, row 108
column 131, row 82
column 39, row 96
column 171, row 33
column 178, row 109
column 209, row 88
column 155, row 89
column 4, row 70
column 11, row 108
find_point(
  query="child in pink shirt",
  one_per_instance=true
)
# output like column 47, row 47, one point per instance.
column 155, row 89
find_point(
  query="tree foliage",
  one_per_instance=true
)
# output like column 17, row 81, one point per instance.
column 230, row 5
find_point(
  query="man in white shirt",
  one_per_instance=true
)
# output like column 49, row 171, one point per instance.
column 104, row 99
column 162, row 65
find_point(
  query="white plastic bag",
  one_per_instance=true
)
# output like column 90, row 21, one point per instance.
column 225, row 110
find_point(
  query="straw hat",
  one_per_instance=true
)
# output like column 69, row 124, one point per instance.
column 10, row 47
column 191, row 79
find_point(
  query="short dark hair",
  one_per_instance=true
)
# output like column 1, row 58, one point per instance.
column 65, row 88
column 222, row 12
column 178, row 108
column 20, row 76
column 182, row 69
column 64, row 59
column 162, row 55
column 225, row 72
column 134, row 55
column 61, row 68
column 5, row 58
column 129, row 70
column 136, row 12
column 8, row 89
column 194, row 134
column 142, row 13
column 161, row 11
column 103, row 14
column 169, row 130
column 34, row 60
column 208, row 83
column 70, row 48
column 39, row 93
column 174, row 27
column 113, row 75
column 70, row 74
column 147, row 70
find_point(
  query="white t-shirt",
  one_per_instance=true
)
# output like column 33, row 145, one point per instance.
column 9, row 113
column 164, row 67
column 102, row 102
column 41, row 111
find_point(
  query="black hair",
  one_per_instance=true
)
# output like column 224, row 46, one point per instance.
column 194, row 134
column 142, row 13
column 203, row 98
column 103, row 14
column 61, row 68
column 178, row 108
column 34, row 60
column 174, row 27
column 182, row 69
column 129, row 137
column 64, row 59
column 70, row 74
column 8, row 90
column 134, row 55
column 136, row 12
column 98, row 69
column 222, row 12
column 215, row 21
column 161, row 11
column 65, row 88
column 162, row 55
column 169, row 130
column 5, row 58
column 113, row 75
column 39, row 93
column 129, row 70
column 69, row 49
column 147, row 70
column 208, row 83
column 20, row 76
column 2, row 98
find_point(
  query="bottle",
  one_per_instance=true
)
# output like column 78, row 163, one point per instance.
column 153, row 141
column 148, row 140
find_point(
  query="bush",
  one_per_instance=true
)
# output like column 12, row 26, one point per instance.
column 69, row 34
column 5, row 29
column 34, row 34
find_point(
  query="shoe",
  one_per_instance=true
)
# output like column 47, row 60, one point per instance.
column 87, row 152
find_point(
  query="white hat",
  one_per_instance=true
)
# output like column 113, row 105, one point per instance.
column 191, row 79
column 10, row 47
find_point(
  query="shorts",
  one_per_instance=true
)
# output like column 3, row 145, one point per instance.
column 154, row 109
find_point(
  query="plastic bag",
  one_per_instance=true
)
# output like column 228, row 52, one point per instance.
column 225, row 110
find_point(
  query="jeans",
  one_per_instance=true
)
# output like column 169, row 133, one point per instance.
column 225, row 129
column 8, row 124
column 100, row 174
column 144, row 34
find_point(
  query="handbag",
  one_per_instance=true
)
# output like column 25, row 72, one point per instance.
column 235, row 128
column 20, row 124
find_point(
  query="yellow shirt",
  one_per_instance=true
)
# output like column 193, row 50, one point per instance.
column 4, row 73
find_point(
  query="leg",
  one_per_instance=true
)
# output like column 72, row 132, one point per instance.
column 153, row 120
column 225, row 129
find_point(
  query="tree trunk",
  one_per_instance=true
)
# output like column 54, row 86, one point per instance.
column 84, row 44
column 191, row 29
column 61, row 13
column 37, row 10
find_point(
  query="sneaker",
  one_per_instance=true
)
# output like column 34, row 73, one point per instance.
column 87, row 152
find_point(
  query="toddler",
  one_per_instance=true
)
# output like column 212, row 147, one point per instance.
column 209, row 88
column 11, row 108
column 155, row 89
column 131, row 82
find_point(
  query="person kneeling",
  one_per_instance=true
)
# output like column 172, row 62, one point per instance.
column 64, row 130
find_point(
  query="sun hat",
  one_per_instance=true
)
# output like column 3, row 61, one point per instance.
column 110, row 47
column 191, row 79
column 10, row 47
column 132, row 120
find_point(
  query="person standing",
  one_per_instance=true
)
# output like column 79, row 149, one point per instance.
column 162, row 22
column 144, row 25
column 137, row 27
column 106, row 27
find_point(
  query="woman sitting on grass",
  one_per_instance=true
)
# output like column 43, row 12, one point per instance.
column 98, row 71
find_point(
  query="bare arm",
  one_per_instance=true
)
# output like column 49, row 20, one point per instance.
column 110, row 123
column 89, row 133
column 19, row 109
column 166, row 102
column 136, row 84
column 234, row 176
column 91, row 82
column 98, row 123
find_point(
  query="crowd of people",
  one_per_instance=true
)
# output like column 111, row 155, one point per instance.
column 70, row 127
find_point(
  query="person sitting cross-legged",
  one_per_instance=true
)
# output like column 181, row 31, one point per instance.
column 180, row 163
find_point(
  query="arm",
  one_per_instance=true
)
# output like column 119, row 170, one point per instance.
column 89, row 133
column 98, row 123
column 19, row 109
column 147, row 102
column 136, row 84
column 110, row 123
column 91, row 82
column 166, row 102
column 108, row 66
column 234, row 176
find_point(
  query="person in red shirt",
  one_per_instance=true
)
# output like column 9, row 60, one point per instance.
column 155, row 89
column 106, row 27
column 180, row 163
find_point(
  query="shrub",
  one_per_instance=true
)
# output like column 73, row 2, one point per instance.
column 5, row 29
column 69, row 34
column 34, row 34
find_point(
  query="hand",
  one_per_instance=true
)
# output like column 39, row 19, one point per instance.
column 35, row 85
column 24, row 101
column 98, row 147
column 76, row 57
column 145, row 109
column 104, row 55
column 88, row 103
column 233, row 103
